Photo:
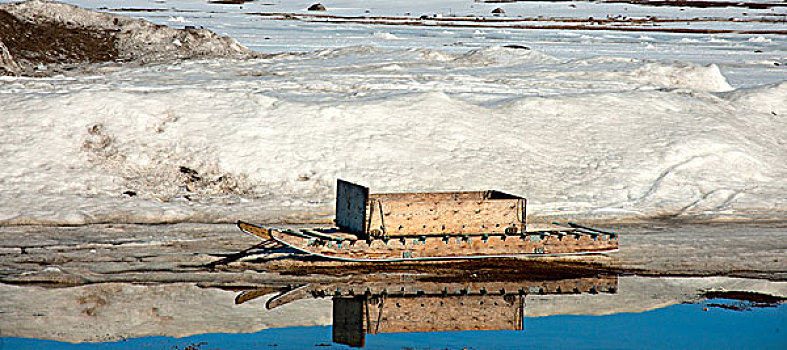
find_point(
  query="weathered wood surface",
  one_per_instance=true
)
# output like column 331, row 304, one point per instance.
column 439, row 213
column 255, row 230
column 402, row 214
column 352, row 202
column 349, row 322
column 434, row 313
column 548, row 243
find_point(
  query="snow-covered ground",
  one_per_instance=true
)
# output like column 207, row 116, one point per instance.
column 745, row 59
column 587, row 124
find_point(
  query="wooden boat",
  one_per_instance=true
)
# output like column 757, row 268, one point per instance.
column 434, row 226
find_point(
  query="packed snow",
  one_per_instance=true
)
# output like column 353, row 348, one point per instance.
column 590, row 135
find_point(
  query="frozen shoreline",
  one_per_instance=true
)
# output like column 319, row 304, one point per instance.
column 83, row 283
column 110, row 282
column 179, row 253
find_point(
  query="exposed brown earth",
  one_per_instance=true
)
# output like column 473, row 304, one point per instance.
column 588, row 26
column 54, row 43
column 699, row 3
column 39, row 38
column 744, row 300
column 646, row 24
column 33, row 44
column 745, row 296
column 674, row 3
column 479, row 19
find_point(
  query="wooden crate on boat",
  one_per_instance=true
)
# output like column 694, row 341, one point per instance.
column 409, row 214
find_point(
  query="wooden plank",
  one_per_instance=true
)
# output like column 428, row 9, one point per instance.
column 351, row 203
column 448, row 213
column 348, row 321
column 437, row 248
column 254, row 230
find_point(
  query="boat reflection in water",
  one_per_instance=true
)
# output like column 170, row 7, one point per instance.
column 399, row 307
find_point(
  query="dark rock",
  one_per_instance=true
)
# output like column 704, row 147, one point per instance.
column 130, row 193
column 498, row 11
column 193, row 175
column 188, row 171
column 317, row 7
column 520, row 47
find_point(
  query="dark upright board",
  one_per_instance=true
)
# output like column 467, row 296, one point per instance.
column 351, row 201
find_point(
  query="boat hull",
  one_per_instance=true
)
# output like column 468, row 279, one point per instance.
column 340, row 246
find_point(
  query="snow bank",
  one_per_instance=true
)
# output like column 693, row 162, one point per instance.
column 385, row 35
column 769, row 99
column 499, row 55
column 65, row 37
column 683, row 76
column 215, row 141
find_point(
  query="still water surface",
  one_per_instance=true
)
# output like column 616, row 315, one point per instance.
column 488, row 315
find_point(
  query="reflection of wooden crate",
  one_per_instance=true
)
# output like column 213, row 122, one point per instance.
column 356, row 316
column 437, row 313
column 414, row 214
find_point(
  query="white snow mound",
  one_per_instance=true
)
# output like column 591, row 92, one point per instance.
column 215, row 141
column 688, row 76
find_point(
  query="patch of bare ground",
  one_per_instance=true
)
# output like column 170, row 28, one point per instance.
column 743, row 300
column 673, row 3
column 53, row 43
column 745, row 296
column 644, row 24
column 41, row 38
column 482, row 19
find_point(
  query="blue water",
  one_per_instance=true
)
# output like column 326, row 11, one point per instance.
column 683, row 326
